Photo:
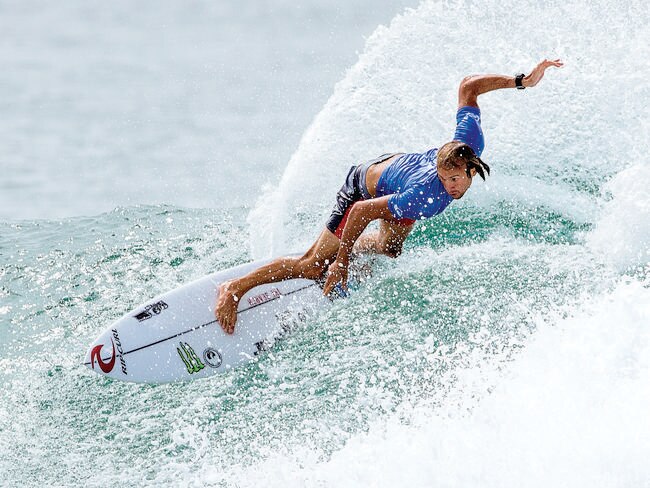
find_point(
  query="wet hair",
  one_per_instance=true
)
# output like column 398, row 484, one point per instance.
column 458, row 155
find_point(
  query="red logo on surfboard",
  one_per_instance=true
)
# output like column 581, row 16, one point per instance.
column 95, row 355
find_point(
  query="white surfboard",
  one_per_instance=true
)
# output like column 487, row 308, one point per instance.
column 175, row 336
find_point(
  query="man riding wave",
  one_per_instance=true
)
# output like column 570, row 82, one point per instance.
column 397, row 190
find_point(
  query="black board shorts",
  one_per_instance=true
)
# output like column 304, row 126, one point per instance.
column 353, row 190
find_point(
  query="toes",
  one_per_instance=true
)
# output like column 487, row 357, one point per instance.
column 231, row 323
column 222, row 323
column 227, row 322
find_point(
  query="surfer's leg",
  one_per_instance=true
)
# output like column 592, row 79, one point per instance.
column 367, row 243
column 311, row 265
column 388, row 240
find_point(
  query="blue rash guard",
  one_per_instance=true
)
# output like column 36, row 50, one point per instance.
column 412, row 180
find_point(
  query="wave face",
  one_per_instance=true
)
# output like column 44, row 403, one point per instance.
column 508, row 345
column 551, row 147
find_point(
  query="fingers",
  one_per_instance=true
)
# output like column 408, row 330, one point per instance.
column 554, row 62
column 329, row 284
column 326, row 287
column 333, row 277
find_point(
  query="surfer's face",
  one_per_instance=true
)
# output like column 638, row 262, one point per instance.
column 455, row 181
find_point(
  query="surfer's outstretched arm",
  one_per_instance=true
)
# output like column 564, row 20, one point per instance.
column 473, row 86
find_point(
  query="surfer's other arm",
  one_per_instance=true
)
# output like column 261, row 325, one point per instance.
column 362, row 213
column 473, row 86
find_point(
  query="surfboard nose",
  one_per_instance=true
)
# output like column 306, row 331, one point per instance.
column 101, row 355
column 86, row 361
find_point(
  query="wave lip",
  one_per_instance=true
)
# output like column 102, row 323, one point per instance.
column 554, row 144
column 623, row 232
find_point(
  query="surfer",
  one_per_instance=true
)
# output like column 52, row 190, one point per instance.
column 396, row 189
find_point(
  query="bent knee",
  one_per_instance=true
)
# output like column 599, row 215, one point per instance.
column 391, row 250
column 311, row 268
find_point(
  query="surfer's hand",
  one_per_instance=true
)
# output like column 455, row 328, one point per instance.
column 336, row 273
column 538, row 72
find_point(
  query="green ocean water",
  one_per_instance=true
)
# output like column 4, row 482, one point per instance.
column 390, row 343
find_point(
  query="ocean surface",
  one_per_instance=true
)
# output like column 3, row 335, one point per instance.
column 145, row 145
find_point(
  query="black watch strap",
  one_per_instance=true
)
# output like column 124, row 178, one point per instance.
column 519, row 81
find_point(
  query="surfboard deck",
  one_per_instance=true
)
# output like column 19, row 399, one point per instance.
column 175, row 336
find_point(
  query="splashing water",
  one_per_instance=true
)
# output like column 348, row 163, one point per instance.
column 507, row 346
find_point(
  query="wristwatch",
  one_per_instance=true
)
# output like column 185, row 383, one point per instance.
column 519, row 81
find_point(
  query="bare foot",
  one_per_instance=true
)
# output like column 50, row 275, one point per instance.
column 226, row 309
